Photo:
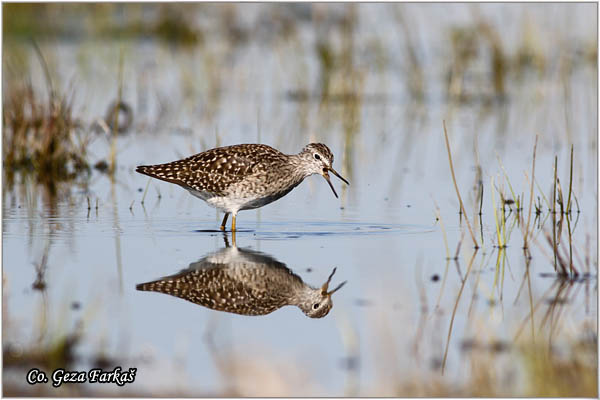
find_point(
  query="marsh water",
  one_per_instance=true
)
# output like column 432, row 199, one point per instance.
column 374, row 83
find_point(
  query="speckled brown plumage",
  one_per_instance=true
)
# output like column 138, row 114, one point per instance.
column 246, row 282
column 244, row 176
column 217, row 169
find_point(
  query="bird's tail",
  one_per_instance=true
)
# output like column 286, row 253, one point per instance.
column 164, row 172
column 161, row 286
column 148, row 286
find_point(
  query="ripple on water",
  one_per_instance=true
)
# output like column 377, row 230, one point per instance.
column 294, row 230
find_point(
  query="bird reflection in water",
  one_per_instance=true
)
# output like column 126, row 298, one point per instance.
column 244, row 281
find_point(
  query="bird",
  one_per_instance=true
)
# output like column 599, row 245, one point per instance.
column 245, row 282
column 244, row 176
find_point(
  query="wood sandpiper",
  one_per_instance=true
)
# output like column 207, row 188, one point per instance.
column 246, row 282
column 244, row 176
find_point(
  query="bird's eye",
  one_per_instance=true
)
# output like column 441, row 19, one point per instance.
column 315, row 306
column 317, row 157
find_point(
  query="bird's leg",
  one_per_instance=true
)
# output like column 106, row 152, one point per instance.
column 224, row 221
column 233, row 223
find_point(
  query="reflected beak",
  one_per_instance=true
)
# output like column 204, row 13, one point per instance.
column 326, row 176
column 336, row 289
column 325, row 286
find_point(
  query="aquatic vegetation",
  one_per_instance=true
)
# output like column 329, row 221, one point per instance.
column 41, row 134
column 462, row 207
column 552, row 374
column 43, row 138
column 504, row 222
column 165, row 22
column 543, row 373
column 480, row 65
column 494, row 121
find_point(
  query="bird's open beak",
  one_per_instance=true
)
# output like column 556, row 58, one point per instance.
column 326, row 176
column 325, row 286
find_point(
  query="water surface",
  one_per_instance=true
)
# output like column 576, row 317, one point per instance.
column 409, row 308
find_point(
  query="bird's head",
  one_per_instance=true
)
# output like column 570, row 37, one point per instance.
column 319, row 160
column 319, row 303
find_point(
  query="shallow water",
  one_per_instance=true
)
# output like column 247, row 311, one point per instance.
column 394, row 315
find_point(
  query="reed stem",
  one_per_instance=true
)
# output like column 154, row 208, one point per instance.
column 462, row 207
column 570, row 183
column 554, row 212
column 530, row 194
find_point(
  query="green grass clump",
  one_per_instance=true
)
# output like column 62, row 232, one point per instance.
column 42, row 137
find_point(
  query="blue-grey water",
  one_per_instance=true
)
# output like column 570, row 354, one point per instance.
column 392, row 318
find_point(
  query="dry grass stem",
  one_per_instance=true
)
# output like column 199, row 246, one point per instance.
column 525, row 246
column 462, row 207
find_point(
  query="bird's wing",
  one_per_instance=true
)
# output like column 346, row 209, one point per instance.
column 216, row 169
